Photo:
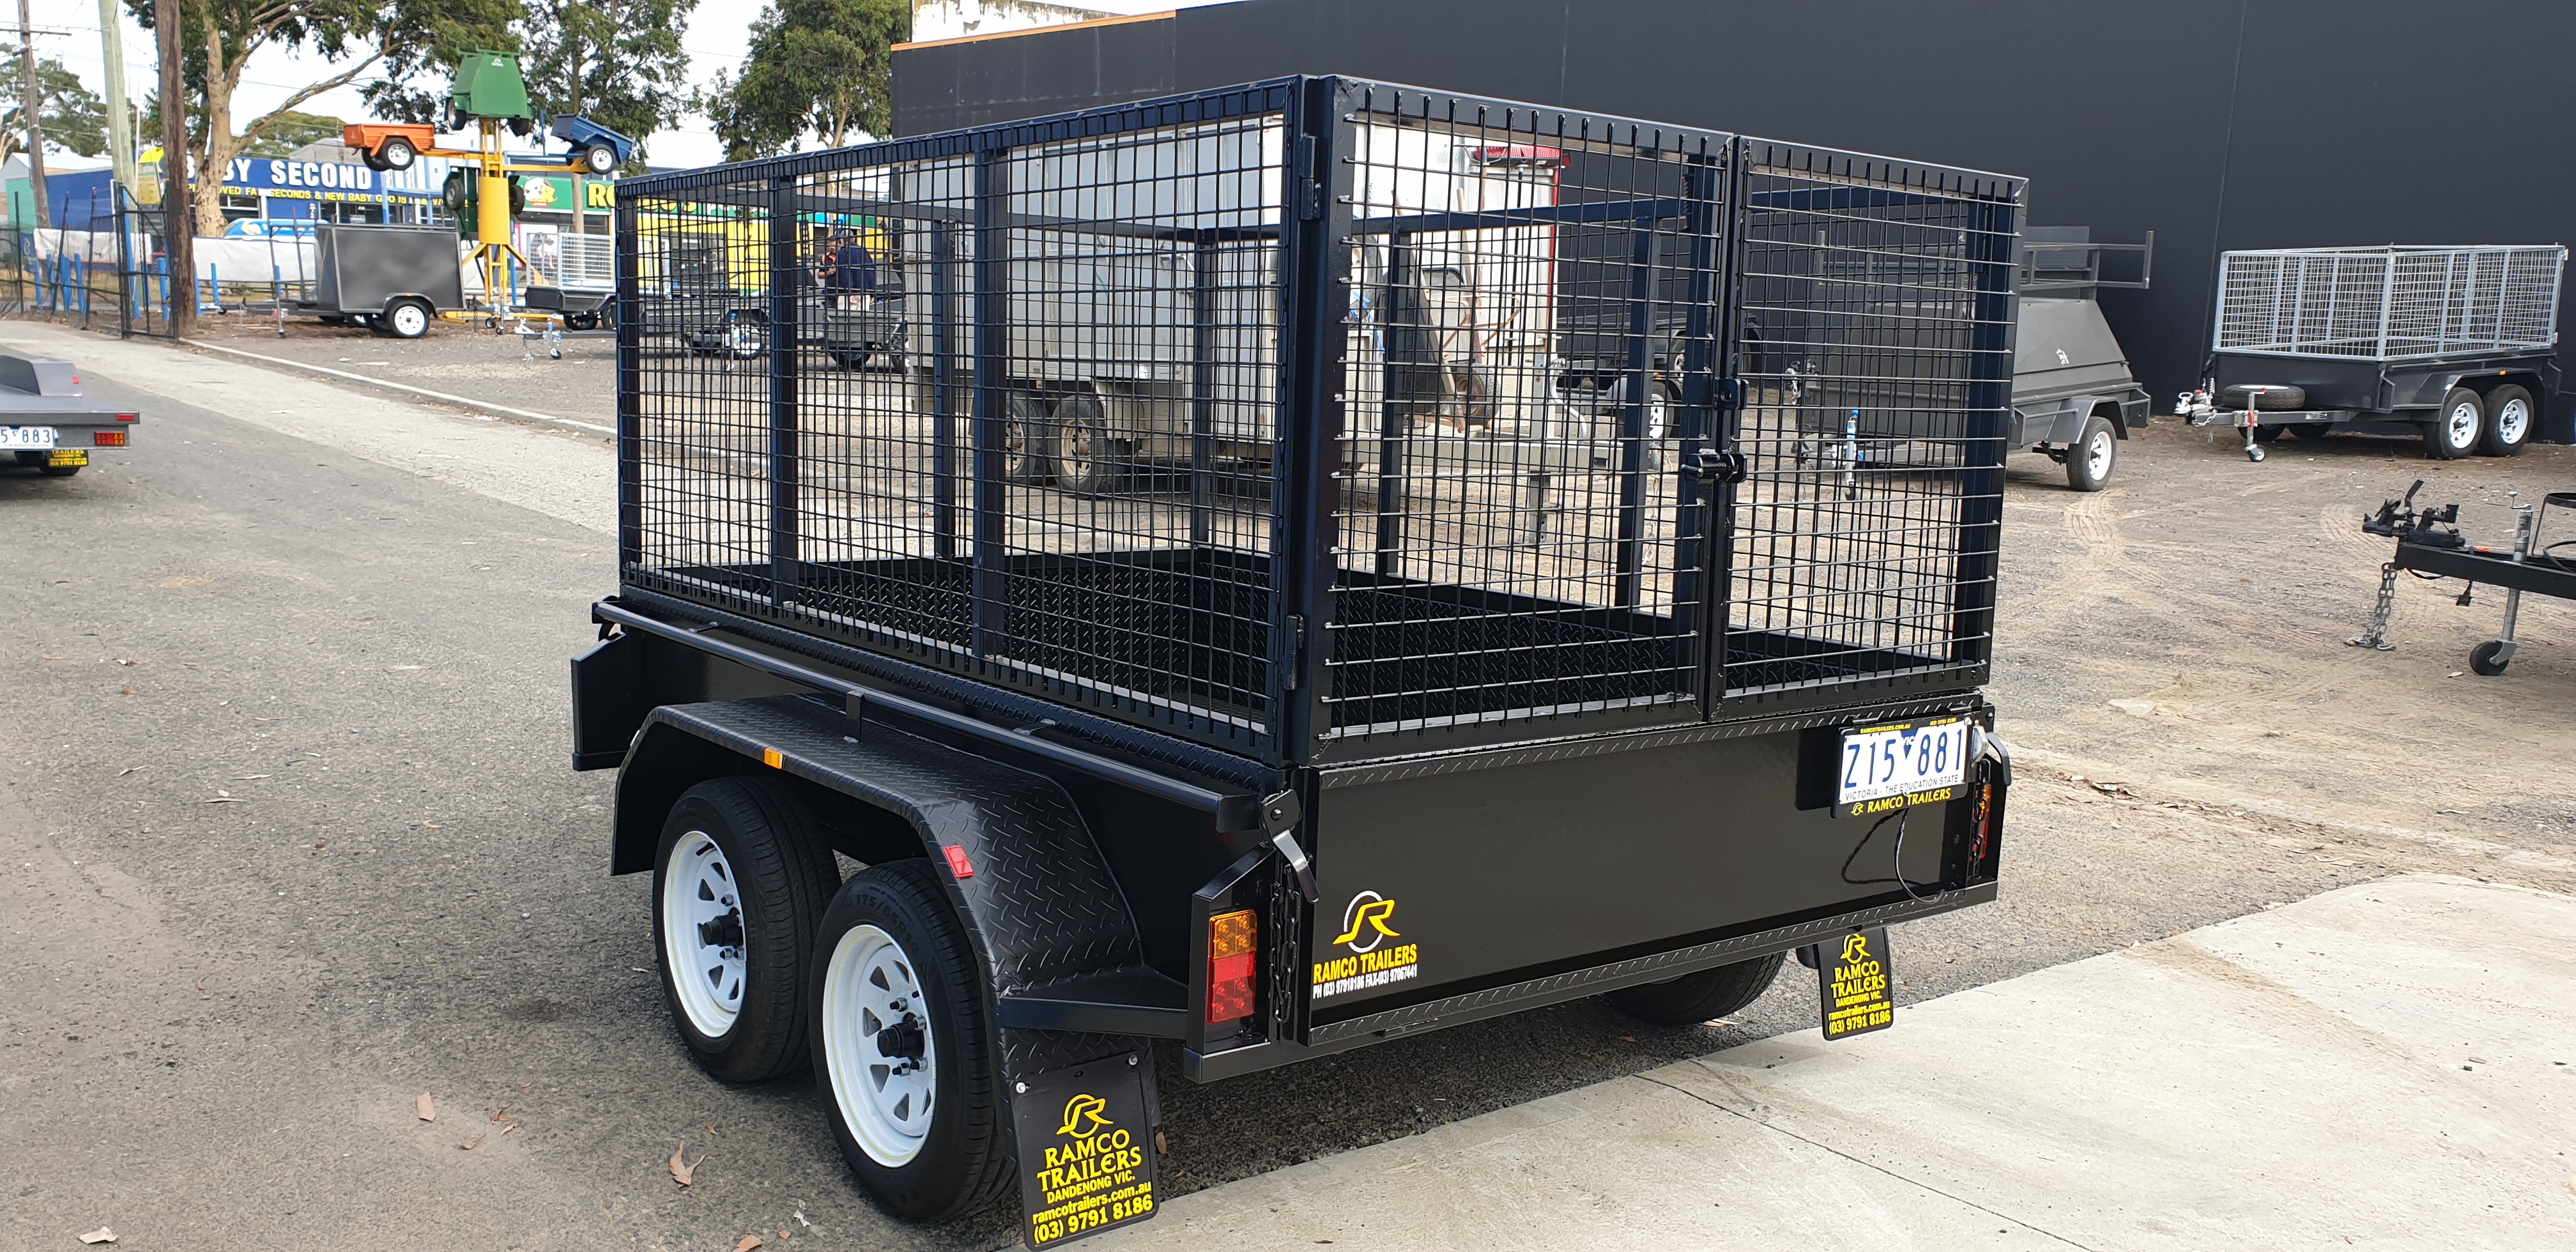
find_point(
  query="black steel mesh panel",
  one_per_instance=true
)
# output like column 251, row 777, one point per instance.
column 1875, row 334
column 1531, row 298
column 1005, row 408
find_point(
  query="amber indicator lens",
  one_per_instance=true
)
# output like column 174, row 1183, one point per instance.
column 1232, row 938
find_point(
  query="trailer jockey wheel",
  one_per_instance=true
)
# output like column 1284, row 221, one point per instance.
column 2457, row 426
column 1698, row 997
column 2490, row 658
column 738, row 890
column 903, row 1045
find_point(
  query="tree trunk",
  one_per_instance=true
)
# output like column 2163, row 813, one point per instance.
column 175, row 232
column 215, row 151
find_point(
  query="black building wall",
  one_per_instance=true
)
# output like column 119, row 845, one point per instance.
column 2215, row 123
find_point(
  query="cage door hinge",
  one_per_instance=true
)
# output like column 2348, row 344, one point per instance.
column 1295, row 662
column 1309, row 192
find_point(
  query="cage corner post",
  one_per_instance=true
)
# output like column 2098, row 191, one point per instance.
column 1994, row 224
column 1316, row 184
column 630, row 379
column 990, row 343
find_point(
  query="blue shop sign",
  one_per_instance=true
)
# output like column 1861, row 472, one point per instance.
column 327, row 180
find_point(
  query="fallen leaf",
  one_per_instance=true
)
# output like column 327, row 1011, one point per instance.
column 100, row 1235
column 785, row 1234
column 247, row 777
column 1627, row 1038
column 748, row 1243
column 51, row 656
column 226, row 800
column 478, row 1141
column 127, row 770
column 432, row 825
column 125, row 691
column 507, row 1129
column 122, row 661
column 503, row 1115
column 428, row 1110
column 683, row 1170
column 201, row 983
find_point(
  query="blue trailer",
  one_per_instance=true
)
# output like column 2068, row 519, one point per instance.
column 595, row 148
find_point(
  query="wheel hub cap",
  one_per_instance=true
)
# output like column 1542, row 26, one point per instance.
column 878, row 1045
column 702, row 933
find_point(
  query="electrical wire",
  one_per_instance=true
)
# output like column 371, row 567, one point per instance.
column 1896, row 864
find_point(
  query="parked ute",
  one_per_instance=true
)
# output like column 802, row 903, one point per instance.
column 1347, row 718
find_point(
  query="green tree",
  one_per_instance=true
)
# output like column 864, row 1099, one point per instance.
column 291, row 131
column 617, row 62
column 73, row 116
column 399, row 39
column 818, row 67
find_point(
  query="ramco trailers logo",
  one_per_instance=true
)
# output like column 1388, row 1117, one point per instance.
column 1367, row 924
column 1092, row 1176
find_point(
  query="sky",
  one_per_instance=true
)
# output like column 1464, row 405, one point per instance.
column 716, row 38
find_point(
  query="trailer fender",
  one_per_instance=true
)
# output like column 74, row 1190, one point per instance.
column 1027, row 878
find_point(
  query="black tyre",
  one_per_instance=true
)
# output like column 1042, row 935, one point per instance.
column 2457, row 426
column 599, row 159
column 406, row 319
column 2268, row 397
column 2484, row 658
column 2313, row 430
column 397, row 153
column 2269, row 434
column 2511, row 418
column 58, row 471
column 1027, row 438
column 903, row 1044
column 1087, row 460
column 455, row 193
column 1662, row 409
column 1699, row 997
column 2096, row 451
column 739, row 886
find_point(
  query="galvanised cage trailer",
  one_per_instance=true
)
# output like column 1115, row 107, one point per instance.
column 1325, row 717
column 2458, row 346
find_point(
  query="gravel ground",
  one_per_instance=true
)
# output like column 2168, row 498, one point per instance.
column 458, row 358
column 316, row 852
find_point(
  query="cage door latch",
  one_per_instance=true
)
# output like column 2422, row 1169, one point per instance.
column 1279, row 817
column 1710, row 467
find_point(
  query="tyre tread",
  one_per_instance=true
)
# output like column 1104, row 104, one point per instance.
column 795, row 862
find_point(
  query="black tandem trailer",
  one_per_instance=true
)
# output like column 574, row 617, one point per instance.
column 1262, row 759
column 2454, row 345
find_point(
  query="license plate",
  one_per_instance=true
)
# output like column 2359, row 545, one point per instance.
column 1886, row 768
column 28, row 438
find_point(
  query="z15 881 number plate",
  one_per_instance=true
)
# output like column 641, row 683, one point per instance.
column 1886, row 768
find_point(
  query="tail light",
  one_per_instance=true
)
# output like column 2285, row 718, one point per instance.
column 107, row 439
column 1232, row 939
column 124, row 417
column 1985, row 824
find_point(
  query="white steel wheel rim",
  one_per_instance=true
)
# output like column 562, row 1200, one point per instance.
column 409, row 320
column 2513, row 421
column 742, row 338
column 2097, row 454
column 1078, row 450
column 874, row 1020
column 1658, row 417
column 699, row 895
column 2463, row 426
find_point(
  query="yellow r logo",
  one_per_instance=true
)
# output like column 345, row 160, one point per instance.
column 1855, row 949
column 1082, row 1117
column 1367, row 917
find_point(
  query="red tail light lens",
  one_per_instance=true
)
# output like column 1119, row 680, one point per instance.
column 107, row 439
column 1232, row 939
column 125, row 417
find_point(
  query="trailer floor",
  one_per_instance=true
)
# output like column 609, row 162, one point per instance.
column 237, row 969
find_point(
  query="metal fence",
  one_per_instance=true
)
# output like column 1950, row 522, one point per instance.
column 1323, row 418
column 2389, row 303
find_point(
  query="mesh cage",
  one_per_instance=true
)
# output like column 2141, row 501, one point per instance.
column 1320, row 411
column 1530, row 293
column 2389, row 303
column 1000, row 404
column 1875, row 344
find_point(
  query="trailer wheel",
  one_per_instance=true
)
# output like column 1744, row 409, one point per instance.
column 1028, row 441
column 58, row 471
column 1660, row 399
column 2484, row 658
column 738, row 888
column 2509, row 413
column 2312, row 430
column 2089, row 462
column 405, row 319
column 397, row 153
column 599, row 159
column 1086, row 458
column 903, row 1045
column 2457, row 426
column 1701, row 996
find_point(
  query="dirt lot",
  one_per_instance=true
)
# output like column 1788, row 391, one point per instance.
column 458, row 358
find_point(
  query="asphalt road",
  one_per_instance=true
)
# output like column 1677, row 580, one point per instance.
column 290, row 840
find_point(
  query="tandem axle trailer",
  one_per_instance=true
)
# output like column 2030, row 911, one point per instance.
column 1328, row 718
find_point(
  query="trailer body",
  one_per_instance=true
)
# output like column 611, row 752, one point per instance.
column 2456, row 345
column 47, row 424
column 1379, row 688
